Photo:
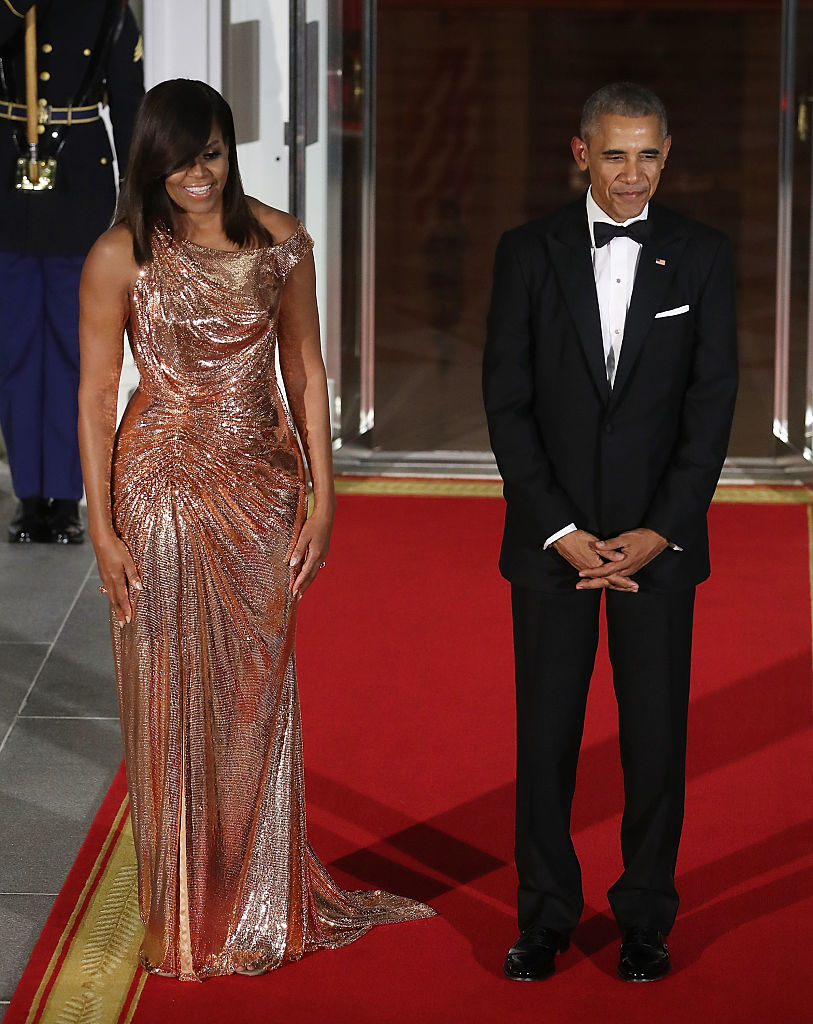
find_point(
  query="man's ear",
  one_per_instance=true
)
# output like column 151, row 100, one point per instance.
column 579, row 149
column 667, row 144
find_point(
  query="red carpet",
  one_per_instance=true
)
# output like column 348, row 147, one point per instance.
column 406, row 683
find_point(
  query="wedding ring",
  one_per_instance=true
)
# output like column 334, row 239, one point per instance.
column 102, row 590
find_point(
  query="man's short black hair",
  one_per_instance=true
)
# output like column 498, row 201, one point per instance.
column 625, row 99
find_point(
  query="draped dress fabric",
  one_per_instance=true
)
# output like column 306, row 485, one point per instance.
column 209, row 495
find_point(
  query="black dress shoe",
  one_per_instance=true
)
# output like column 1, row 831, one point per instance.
column 644, row 956
column 29, row 524
column 65, row 522
column 532, row 956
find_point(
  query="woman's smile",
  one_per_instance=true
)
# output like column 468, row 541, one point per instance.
column 198, row 188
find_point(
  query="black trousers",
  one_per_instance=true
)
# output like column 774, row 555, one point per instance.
column 555, row 641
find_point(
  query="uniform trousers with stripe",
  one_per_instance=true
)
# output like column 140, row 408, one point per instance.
column 39, row 373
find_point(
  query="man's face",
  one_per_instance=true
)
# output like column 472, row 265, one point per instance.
column 625, row 157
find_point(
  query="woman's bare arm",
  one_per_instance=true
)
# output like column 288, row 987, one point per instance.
column 303, row 373
column 104, row 308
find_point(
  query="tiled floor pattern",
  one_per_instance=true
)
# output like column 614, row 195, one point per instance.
column 59, row 733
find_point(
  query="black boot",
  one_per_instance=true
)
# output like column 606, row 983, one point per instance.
column 65, row 522
column 29, row 524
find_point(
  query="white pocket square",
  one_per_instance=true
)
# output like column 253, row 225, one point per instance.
column 673, row 312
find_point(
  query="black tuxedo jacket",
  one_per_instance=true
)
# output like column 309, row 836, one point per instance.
column 569, row 449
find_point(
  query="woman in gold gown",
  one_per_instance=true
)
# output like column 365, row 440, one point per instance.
column 197, row 513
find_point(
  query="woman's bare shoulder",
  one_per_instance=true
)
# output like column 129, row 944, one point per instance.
column 116, row 241
column 280, row 224
column 111, row 258
column 116, row 245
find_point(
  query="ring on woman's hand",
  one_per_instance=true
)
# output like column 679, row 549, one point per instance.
column 322, row 565
column 102, row 590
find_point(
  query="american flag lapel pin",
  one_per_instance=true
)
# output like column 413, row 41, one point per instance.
column 661, row 263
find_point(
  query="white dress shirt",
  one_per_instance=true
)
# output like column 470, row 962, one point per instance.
column 614, row 267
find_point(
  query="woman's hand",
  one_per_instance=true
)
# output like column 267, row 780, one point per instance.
column 310, row 552
column 120, row 579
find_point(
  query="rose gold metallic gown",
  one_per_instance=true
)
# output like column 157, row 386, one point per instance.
column 209, row 494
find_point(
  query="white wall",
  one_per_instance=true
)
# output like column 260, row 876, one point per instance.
column 182, row 40
column 264, row 164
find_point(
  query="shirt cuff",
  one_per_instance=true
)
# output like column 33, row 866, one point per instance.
column 570, row 528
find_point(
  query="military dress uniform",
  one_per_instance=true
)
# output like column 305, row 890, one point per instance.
column 91, row 47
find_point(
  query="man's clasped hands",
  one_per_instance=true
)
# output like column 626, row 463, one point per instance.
column 610, row 563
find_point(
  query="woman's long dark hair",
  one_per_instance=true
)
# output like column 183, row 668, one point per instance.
column 173, row 125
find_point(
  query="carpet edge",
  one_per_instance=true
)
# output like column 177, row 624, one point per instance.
column 30, row 989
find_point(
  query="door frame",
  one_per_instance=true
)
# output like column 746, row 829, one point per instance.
column 794, row 109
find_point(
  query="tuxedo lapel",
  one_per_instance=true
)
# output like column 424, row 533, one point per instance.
column 569, row 248
column 657, row 264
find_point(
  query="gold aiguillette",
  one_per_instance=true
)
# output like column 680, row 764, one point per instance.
column 33, row 174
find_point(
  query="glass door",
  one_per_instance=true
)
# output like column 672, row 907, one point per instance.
column 353, row 141
column 476, row 104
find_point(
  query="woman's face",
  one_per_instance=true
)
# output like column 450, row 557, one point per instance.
column 198, row 188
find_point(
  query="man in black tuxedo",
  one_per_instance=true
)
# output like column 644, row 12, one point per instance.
column 610, row 375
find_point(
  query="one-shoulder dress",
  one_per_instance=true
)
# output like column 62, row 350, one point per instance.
column 209, row 495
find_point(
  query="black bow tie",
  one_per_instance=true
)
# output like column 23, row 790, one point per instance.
column 638, row 231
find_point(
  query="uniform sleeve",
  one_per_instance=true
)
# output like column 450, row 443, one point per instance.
column 11, row 23
column 125, row 85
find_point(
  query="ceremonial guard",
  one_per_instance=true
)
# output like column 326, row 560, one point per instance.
column 58, row 63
